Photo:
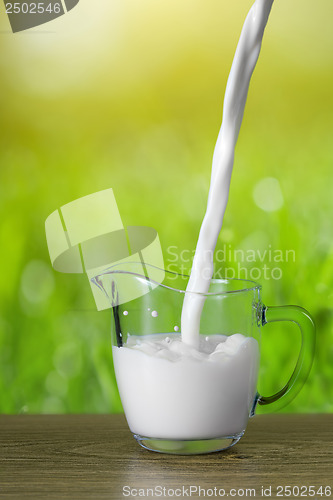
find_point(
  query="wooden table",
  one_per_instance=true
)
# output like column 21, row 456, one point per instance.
column 95, row 456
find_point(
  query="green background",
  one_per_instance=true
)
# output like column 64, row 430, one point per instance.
column 128, row 94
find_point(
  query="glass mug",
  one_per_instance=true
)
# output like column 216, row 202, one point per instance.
column 178, row 400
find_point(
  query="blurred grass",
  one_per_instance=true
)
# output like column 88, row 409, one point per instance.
column 130, row 97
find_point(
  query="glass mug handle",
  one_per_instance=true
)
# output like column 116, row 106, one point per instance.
column 306, row 325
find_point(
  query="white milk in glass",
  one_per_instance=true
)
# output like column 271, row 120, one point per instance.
column 171, row 390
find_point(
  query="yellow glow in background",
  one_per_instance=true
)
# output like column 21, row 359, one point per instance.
column 128, row 94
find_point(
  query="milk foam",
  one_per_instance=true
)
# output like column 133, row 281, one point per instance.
column 172, row 390
column 243, row 65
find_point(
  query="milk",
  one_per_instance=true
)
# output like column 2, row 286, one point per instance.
column 184, row 386
column 244, row 62
column 171, row 390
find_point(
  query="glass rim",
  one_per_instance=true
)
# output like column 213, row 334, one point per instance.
column 251, row 285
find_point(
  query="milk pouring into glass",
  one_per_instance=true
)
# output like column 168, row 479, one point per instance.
column 234, row 103
column 193, row 391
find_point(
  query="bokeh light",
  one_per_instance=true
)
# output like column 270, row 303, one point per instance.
column 267, row 194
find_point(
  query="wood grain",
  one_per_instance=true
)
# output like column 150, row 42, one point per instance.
column 95, row 456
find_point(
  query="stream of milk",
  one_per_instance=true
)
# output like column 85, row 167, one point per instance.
column 243, row 65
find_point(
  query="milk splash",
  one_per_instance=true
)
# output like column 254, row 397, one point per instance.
column 243, row 65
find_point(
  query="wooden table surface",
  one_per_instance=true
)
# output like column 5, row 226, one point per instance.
column 95, row 456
